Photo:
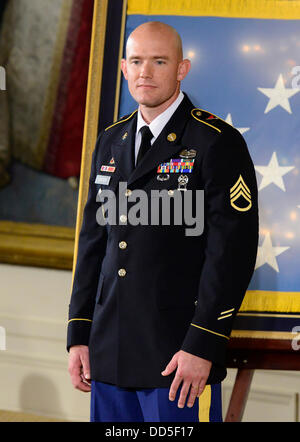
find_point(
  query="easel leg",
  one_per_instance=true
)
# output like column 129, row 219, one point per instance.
column 239, row 395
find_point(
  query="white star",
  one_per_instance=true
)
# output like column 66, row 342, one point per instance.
column 273, row 173
column 240, row 129
column 266, row 253
column 279, row 95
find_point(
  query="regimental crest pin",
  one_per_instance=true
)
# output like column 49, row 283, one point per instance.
column 125, row 136
column 240, row 196
column 112, row 161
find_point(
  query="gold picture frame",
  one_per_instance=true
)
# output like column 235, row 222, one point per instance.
column 37, row 245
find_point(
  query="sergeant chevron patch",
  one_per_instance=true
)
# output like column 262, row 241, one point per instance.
column 240, row 191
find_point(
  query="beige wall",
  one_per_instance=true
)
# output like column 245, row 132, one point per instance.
column 33, row 368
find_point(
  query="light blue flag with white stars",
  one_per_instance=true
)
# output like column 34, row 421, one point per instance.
column 245, row 70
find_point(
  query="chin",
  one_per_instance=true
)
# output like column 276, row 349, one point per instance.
column 149, row 102
column 146, row 99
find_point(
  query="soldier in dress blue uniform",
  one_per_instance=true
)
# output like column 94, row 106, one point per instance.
column 152, row 307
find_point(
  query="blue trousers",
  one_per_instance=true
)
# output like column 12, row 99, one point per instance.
column 110, row 403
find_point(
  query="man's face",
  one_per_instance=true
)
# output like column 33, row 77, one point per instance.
column 152, row 67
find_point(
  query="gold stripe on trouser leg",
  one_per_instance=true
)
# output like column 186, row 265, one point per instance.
column 204, row 404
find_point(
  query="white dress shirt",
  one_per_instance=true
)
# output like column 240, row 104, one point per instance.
column 157, row 125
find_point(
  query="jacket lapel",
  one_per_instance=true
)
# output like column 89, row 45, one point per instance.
column 122, row 149
column 165, row 146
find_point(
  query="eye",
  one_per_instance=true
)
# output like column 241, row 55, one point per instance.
column 136, row 62
column 160, row 62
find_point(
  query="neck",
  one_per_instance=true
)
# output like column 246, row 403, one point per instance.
column 150, row 113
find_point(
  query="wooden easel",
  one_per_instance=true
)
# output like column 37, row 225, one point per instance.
column 248, row 355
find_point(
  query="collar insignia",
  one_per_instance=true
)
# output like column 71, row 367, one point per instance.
column 172, row 136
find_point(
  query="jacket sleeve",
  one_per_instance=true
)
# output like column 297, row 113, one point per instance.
column 231, row 239
column 91, row 250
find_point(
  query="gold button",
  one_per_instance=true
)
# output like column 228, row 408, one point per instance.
column 198, row 113
column 171, row 137
column 122, row 244
column 171, row 192
column 128, row 192
column 121, row 272
column 123, row 218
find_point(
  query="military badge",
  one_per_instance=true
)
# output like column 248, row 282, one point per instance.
column 176, row 165
column 112, row 161
column 163, row 168
column 188, row 153
column 182, row 182
column 171, row 137
column 181, row 165
column 240, row 196
column 107, row 168
column 163, row 177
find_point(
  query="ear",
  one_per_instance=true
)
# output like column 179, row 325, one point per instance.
column 124, row 68
column 183, row 69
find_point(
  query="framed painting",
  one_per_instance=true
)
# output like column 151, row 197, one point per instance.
column 42, row 114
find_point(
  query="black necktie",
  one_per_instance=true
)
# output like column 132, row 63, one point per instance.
column 145, row 143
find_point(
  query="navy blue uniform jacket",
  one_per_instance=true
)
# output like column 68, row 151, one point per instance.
column 143, row 292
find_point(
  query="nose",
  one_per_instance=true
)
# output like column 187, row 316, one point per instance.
column 146, row 70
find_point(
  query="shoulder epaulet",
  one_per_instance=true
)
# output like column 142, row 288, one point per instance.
column 122, row 120
column 209, row 119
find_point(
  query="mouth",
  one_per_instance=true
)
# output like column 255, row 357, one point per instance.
column 146, row 86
